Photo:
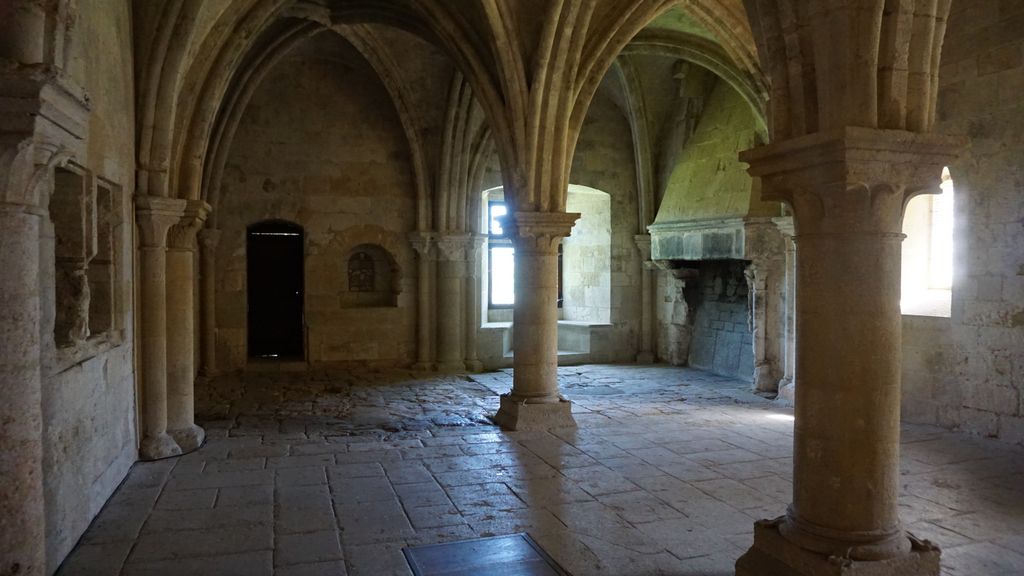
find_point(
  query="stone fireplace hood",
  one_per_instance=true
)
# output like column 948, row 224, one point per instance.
column 675, row 243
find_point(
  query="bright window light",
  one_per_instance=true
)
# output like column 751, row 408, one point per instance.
column 497, row 210
column 503, row 273
column 928, row 253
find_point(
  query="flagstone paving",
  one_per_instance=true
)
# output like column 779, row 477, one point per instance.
column 332, row 473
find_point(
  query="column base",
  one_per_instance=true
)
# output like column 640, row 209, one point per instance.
column 158, row 447
column 188, row 439
column 774, row 555
column 474, row 366
column 423, row 367
column 645, row 358
column 762, row 379
column 519, row 415
column 453, row 366
column 787, row 391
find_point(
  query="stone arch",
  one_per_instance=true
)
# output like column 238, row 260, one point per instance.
column 889, row 50
column 189, row 68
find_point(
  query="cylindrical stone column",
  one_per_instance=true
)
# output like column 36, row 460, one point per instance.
column 181, row 249
column 451, row 277
column 208, row 240
column 21, row 450
column 472, row 299
column 847, row 190
column 848, row 330
column 423, row 243
column 155, row 216
column 534, row 402
column 646, row 353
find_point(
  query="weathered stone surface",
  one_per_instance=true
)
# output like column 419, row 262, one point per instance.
column 666, row 471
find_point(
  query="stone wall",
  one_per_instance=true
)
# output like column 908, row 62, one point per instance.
column 587, row 254
column 709, row 181
column 722, row 340
column 708, row 203
column 317, row 147
column 981, row 81
column 604, row 160
column 88, row 403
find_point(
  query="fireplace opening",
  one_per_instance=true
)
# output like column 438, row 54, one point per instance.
column 722, row 340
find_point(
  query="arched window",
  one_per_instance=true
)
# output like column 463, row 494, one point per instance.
column 927, row 275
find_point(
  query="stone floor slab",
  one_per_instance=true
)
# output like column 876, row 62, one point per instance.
column 665, row 474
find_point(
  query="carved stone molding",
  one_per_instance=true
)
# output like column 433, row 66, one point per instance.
column 155, row 215
column 453, row 247
column 423, row 243
column 209, row 238
column 541, row 231
column 643, row 245
column 182, row 236
column 852, row 180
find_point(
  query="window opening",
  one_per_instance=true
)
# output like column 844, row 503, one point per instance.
column 501, row 261
column 927, row 271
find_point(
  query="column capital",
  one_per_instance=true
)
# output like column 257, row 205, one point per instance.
column 155, row 215
column 422, row 243
column 785, row 225
column 209, row 238
column 453, row 247
column 182, row 236
column 852, row 180
column 476, row 243
column 541, row 231
column 643, row 245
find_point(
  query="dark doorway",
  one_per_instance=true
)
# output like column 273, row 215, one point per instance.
column 275, row 251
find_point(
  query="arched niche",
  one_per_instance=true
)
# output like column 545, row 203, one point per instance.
column 371, row 278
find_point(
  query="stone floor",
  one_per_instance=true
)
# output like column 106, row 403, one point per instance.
column 333, row 473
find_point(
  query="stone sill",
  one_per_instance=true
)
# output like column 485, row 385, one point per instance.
column 932, row 304
column 70, row 356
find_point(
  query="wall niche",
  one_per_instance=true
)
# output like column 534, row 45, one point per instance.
column 371, row 279
column 85, row 212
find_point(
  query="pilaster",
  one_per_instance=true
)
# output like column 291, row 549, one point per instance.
column 154, row 216
column 209, row 239
column 180, row 327
column 472, row 298
column 43, row 123
column 423, row 243
column 451, row 308
column 647, row 267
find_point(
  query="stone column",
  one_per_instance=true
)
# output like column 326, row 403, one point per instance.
column 208, row 240
column 534, row 402
column 646, row 353
column 155, row 216
column 757, row 314
column 472, row 298
column 181, row 250
column 451, row 279
column 787, row 390
column 847, row 189
column 21, row 491
column 423, row 243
